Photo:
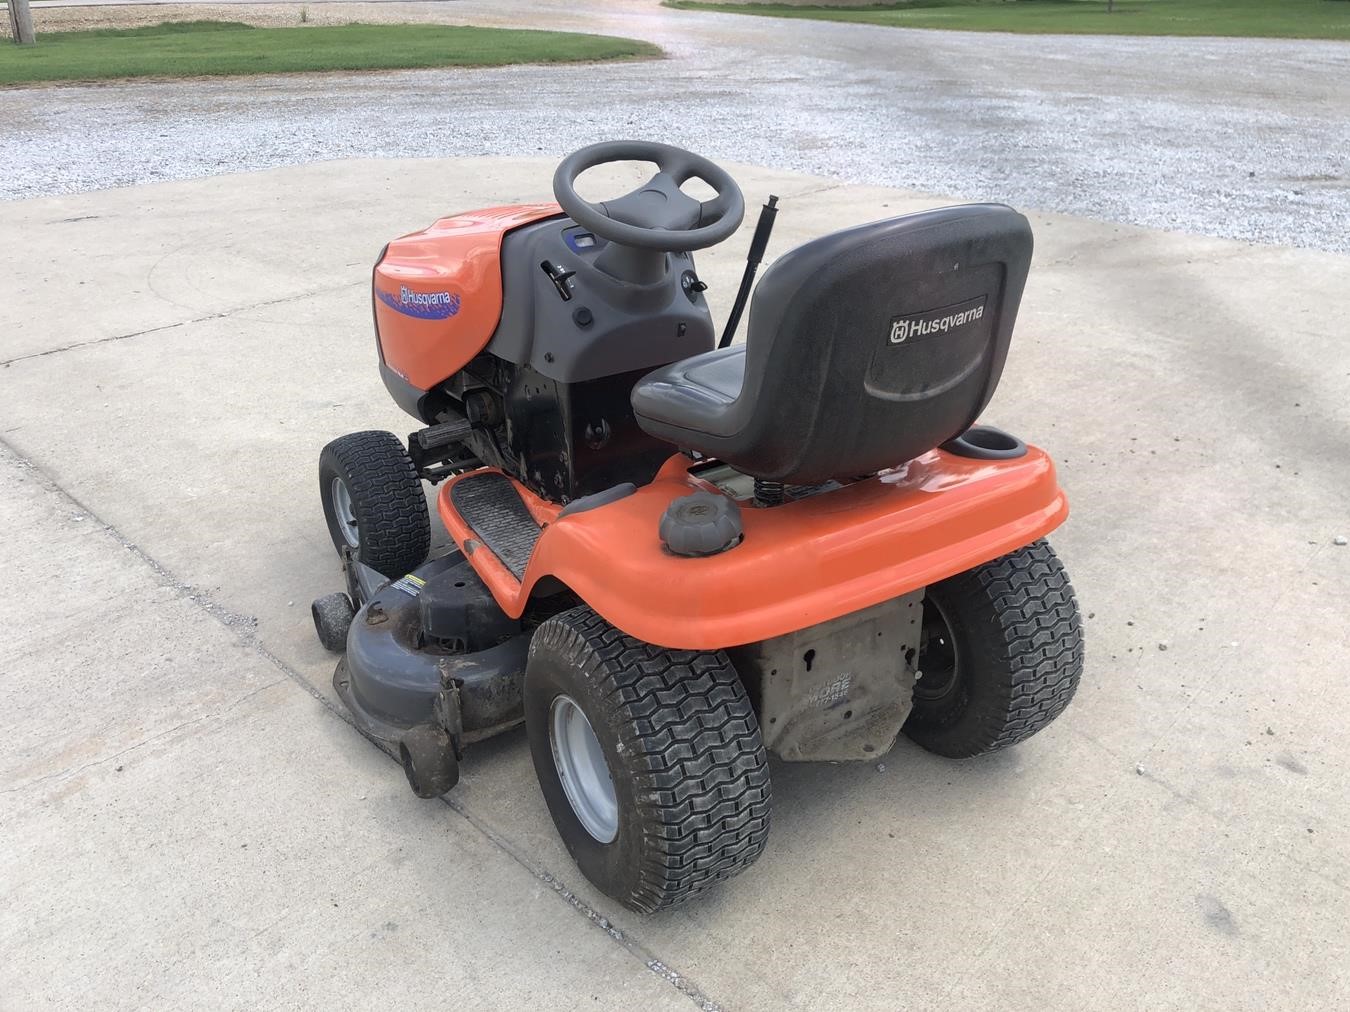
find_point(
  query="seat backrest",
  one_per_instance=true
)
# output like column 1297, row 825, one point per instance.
column 872, row 345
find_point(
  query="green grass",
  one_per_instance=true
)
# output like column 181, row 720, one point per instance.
column 1292, row 19
column 208, row 48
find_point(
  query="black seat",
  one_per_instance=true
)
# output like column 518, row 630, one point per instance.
column 865, row 349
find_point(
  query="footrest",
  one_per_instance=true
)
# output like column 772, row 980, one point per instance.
column 491, row 506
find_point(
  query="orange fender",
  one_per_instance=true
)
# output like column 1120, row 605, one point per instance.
column 801, row 563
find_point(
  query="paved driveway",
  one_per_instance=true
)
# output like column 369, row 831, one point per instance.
column 188, row 820
column 1248, row 139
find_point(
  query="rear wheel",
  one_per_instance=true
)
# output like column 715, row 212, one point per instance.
column 373, row 502
column 650, row 760
column 1000, row 656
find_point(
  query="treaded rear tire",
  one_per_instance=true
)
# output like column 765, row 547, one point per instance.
column 683, row 749
column 387, row 500
column 1018, row 643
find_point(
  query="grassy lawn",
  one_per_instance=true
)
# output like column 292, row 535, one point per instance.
column 198, row 48
column 1293, row 19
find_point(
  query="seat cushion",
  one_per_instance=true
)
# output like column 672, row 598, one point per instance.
column 696, row 396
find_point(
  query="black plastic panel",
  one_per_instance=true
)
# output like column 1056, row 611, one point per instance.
column 632, row 327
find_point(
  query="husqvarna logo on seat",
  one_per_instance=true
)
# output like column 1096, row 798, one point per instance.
column 936, row 321
column 422, row 305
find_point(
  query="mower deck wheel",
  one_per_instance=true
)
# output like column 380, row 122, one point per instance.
column 373, row 502
column 429, row 761
column 1000, row 654
column 333, row 614
column 650, row 760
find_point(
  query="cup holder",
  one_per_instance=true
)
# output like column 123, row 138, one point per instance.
column 984, row 442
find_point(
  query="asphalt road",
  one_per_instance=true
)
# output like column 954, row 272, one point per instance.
column 1247, row 139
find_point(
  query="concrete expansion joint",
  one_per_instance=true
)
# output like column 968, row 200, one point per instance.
column 816, row 190
column 243, row 628
column 633, row 946
column 6, row 363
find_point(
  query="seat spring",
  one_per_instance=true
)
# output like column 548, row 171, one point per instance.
column 769, row 493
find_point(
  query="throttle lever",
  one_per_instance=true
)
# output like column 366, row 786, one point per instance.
column 559, row 276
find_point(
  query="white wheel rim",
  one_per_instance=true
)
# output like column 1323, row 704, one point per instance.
column 582, row 769
column 344, row 514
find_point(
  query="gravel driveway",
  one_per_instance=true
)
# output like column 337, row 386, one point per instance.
column 1247, row 139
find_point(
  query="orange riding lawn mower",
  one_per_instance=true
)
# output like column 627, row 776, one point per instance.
column 675, row 555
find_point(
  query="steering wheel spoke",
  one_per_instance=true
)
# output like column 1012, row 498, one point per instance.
column 679, row 164
column 712, row 209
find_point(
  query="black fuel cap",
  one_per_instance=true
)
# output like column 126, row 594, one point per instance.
column 701, row 524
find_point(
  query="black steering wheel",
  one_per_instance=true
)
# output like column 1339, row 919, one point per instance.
column 657, row 215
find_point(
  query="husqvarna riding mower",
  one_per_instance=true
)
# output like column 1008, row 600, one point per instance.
column 674, row 558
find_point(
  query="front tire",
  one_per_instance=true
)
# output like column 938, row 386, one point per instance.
column 673, row 736
column 373, row 502
column 1000, row 657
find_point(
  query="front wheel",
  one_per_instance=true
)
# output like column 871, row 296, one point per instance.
column 650, row 760
column 373, row 502
column 1000, row 656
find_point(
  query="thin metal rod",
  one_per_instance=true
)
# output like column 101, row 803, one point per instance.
column 763, row 229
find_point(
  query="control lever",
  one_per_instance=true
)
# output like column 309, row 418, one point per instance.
column 559, row 276
column 757, row 245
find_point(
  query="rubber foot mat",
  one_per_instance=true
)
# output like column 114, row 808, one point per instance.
column 490, row 504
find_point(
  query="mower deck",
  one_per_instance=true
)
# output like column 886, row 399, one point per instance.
column 800, row 564
column 432, row 638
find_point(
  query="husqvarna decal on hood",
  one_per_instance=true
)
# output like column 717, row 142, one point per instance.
column 422, row 305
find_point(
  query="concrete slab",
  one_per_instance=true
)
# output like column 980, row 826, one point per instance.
column 1194, row 392
column 183, row 826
